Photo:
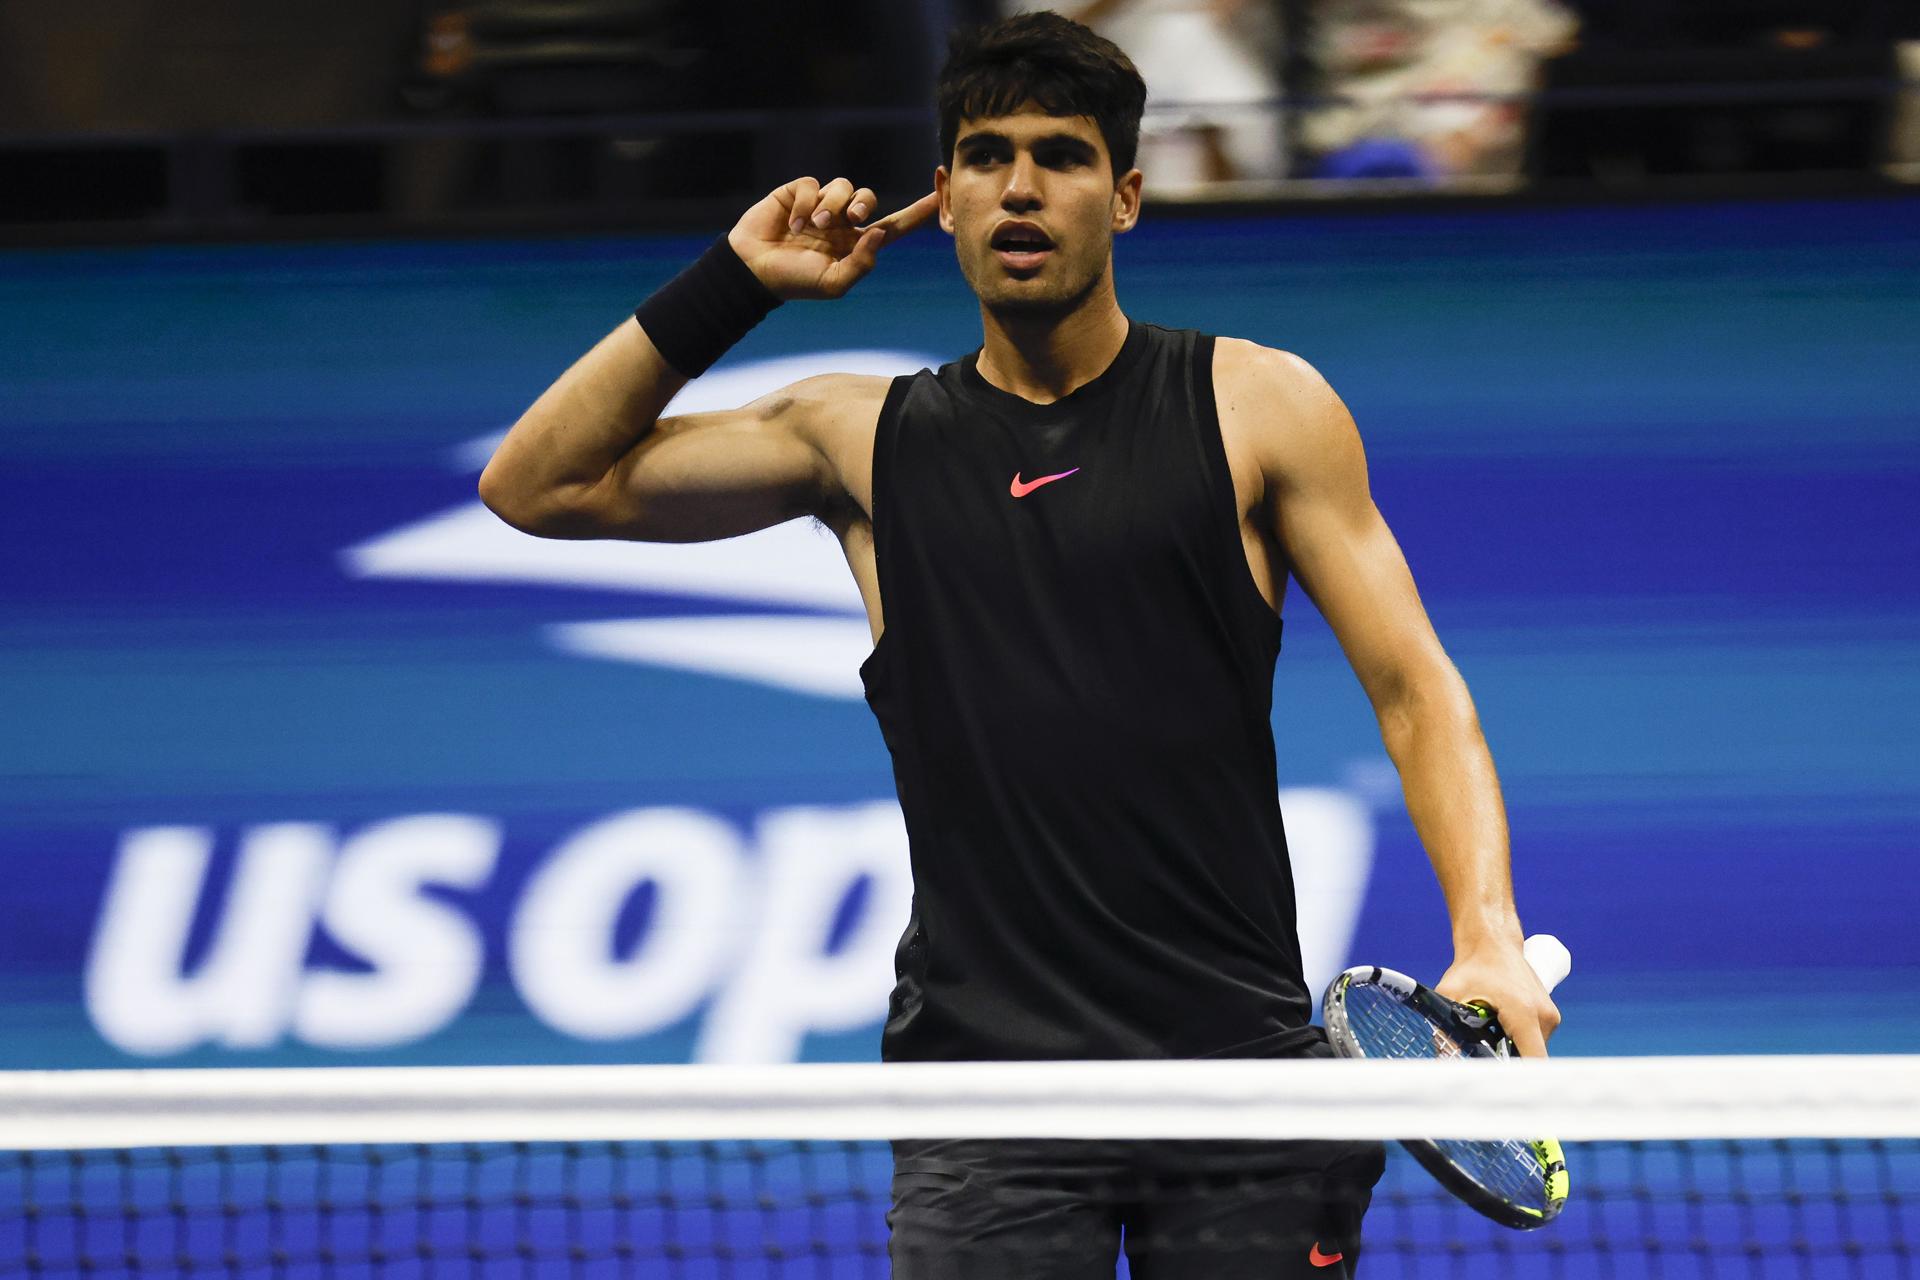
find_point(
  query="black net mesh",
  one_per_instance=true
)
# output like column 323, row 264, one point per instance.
column 1817, row 1209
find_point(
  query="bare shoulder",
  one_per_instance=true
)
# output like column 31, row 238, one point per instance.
column 837, row 415
column 1278, row 408
column 831, row 395
column 823, row 404
column 830, row 410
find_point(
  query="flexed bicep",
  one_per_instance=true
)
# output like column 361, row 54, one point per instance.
column 701, row 476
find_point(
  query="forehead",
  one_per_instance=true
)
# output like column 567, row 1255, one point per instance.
column 1030, row 123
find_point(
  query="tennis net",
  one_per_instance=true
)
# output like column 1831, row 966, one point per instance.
column 1703, row 1167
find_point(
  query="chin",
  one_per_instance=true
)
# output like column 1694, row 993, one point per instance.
column 1036, row 296
column 1028, row 301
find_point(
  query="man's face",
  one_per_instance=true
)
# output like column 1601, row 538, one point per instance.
column 1032, row 205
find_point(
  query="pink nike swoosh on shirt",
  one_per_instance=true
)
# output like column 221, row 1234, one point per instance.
column 1021, row 488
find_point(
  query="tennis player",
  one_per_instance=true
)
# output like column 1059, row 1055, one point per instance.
column 1073, row 545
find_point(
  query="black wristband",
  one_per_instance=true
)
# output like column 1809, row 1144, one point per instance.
column 694, row 317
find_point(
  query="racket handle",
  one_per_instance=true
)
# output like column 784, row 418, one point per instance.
column 1550, row 959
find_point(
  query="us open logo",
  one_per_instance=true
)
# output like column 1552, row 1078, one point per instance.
column 748, row 927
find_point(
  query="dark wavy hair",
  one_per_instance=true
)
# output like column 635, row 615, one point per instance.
column 1049, row 60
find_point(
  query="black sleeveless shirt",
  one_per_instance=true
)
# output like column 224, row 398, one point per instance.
column 1075, row 680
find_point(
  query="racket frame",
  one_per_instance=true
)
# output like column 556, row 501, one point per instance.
column 1477, row 1031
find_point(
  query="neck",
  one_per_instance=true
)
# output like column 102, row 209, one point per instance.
column 1044, row 356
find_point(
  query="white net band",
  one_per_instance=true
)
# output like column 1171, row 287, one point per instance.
column 1573, row 1099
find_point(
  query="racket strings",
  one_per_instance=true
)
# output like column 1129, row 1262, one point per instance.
column 1385, row 1026
column 1511, row 1169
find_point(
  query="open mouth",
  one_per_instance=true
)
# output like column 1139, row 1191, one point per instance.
column 1021, row 246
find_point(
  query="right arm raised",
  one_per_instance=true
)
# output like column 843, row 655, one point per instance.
column 592, row 458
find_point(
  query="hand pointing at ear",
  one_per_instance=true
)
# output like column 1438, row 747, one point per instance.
column 804, row 240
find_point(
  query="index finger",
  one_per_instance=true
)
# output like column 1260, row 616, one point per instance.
column 911, row 218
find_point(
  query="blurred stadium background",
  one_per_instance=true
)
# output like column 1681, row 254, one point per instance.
column 308, row 760
column 1635, row 368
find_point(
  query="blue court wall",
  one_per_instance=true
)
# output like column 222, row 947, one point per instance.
column 305, row 760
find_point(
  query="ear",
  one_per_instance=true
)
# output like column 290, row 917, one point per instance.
column 945, row 192
column 1126, row 201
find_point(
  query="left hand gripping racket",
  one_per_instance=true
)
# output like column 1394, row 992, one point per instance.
column 1377, row 1013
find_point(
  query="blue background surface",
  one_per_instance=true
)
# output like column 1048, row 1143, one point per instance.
column 1655, row 471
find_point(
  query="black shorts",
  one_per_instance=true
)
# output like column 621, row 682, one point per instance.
column 1062, row 1210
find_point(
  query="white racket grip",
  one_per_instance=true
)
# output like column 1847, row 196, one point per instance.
column 1551, row 960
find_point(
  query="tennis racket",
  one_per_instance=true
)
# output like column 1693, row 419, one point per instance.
column 1377, row 1013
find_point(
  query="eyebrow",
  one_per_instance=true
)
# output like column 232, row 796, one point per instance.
column 1049, row 139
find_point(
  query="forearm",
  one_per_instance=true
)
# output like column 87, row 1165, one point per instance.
column 572, row 436
column 570, row 467
column 1453, row 798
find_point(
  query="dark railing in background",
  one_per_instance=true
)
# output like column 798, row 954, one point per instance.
column 687, row 168
column 428, row 174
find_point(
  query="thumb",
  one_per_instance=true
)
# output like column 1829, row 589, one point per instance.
column 848, row 271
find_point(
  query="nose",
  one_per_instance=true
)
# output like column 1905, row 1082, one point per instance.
column 1022, row 192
